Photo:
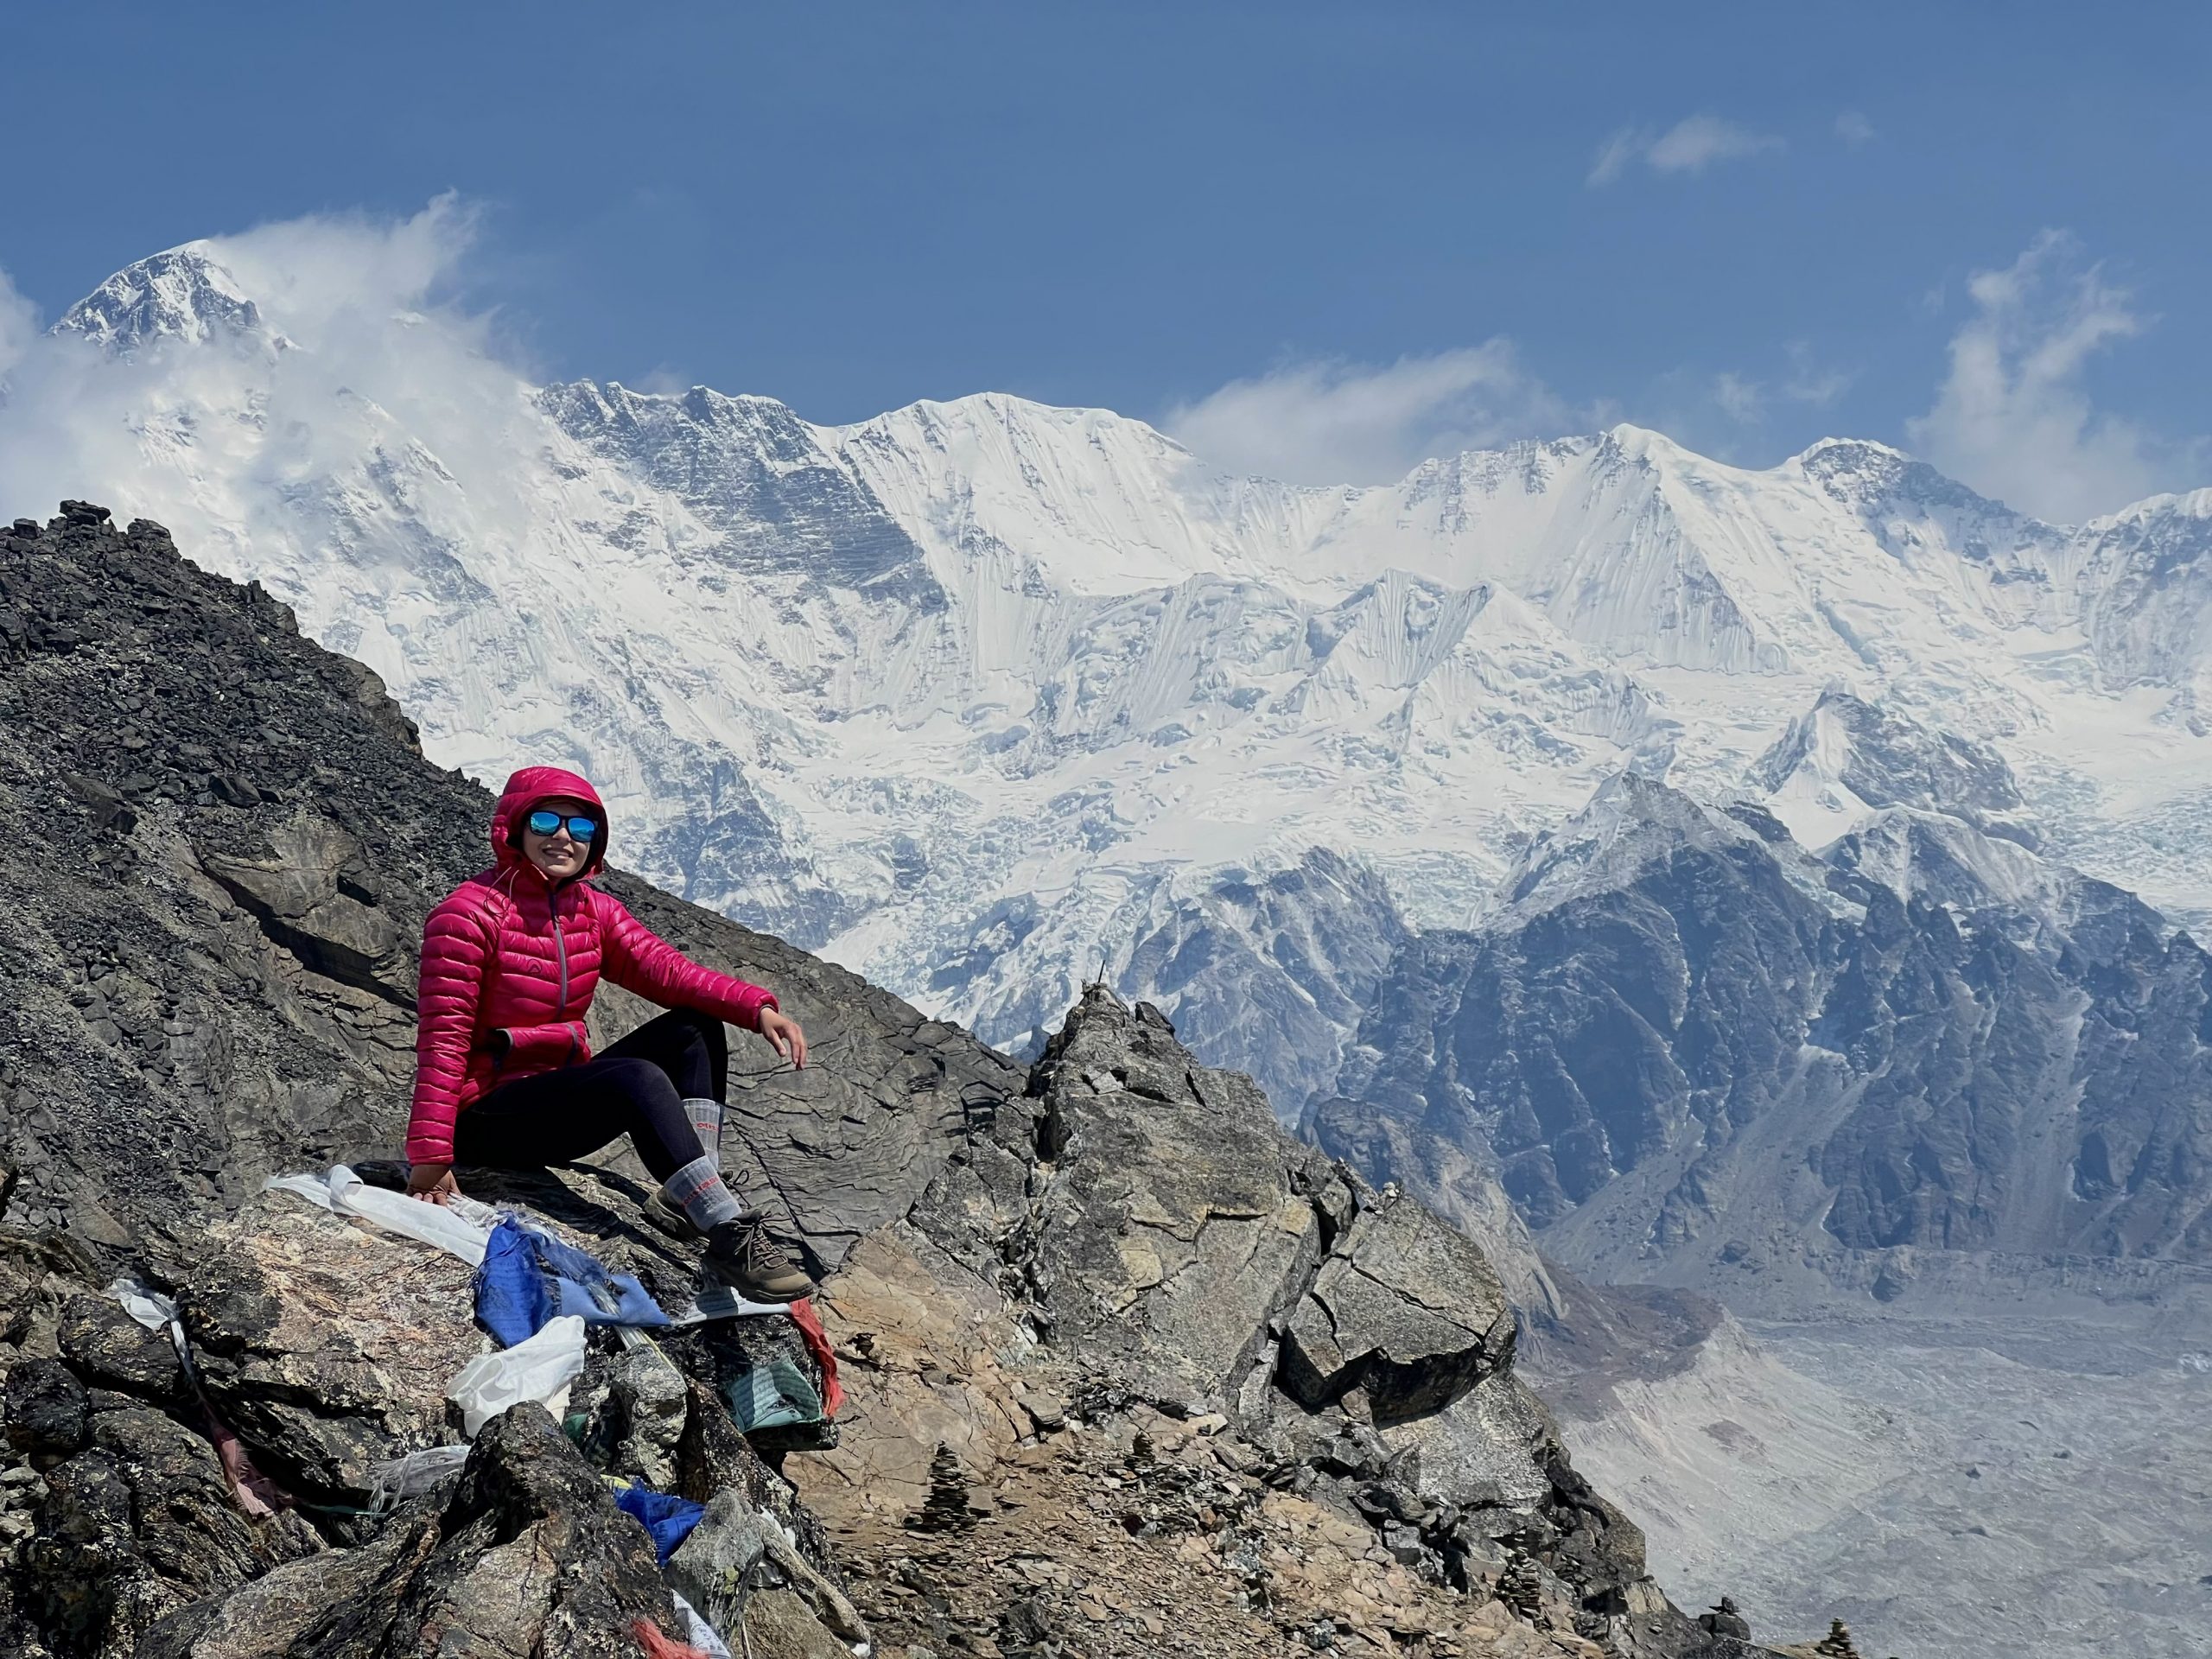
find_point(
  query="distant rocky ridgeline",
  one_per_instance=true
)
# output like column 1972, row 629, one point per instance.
column 1691, row 1050
column 1124, row 1358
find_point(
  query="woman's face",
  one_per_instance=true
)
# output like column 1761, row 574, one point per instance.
column 559, row 855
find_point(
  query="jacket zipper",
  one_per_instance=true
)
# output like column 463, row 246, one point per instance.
column 560, row 956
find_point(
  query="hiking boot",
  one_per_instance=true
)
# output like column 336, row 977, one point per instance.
column 745, row 1256
column 665, row 1213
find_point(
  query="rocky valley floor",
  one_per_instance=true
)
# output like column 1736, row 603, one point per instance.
column 2024, row 1488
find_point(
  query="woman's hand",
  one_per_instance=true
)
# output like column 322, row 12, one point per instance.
column 783, row 1036
column 432, row 1183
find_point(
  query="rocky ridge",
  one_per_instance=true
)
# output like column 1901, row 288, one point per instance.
column 1692, row 1050
column 1124, row 1358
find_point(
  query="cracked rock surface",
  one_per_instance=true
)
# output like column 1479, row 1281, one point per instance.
column 1405, row 1309
column 1135, row 1231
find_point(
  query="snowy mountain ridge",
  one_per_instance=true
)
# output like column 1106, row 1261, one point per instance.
column 979, row 695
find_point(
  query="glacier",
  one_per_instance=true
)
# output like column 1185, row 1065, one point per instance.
column 986, row 699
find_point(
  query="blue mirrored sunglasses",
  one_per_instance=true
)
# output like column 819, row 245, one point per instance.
column 544, row 823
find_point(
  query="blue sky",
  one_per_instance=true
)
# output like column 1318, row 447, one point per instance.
column 1315, row 239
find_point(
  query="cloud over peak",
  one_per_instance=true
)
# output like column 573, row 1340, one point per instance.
column 1337, row 422
column 2014, row 417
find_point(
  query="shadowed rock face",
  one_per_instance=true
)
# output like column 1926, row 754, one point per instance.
column 226, row 840
column 1886, row 759
column 528, row 1556
column 751, row 469
column 135, row 1525
column 1924, row 1037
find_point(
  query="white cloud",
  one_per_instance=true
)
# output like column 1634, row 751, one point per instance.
column 1615, row 153
column 330, row 270
column 1693, row 145
column 1809, row 382
column 1739, row 398
column 1745, row 400
column 18, row 325
column 1334, row 423
column 1854, row 128
column 2013, row 418
column 361, row 346
column 1690, row 145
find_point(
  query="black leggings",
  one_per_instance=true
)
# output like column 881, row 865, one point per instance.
column 637, row 1087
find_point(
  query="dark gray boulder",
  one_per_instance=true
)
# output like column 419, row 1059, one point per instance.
column 528, row 1557
column 43, row 1407
column 1169, row 1230
column 735, row 1539
column 110, row 1349
column 532, row 1556
column 137, row 1524
column 322, row 1604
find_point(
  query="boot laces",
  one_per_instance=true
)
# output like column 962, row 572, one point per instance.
column 760, row 1250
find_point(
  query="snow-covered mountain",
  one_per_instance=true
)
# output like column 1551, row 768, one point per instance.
column 983, row 695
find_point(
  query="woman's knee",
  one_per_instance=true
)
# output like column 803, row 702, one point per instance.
column 707, row 1027
column 701, row 1062
column 642, row 1085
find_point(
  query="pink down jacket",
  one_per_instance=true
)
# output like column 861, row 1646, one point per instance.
column 509, row 961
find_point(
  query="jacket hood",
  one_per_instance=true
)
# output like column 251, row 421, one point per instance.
column 523, row 791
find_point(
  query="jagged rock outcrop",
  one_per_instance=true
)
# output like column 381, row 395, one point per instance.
column 1112, row 1333
column 139, row 1520
column 1169, row 1230
column 1160, row 1235
column 326, row 1351
column 528, row 1556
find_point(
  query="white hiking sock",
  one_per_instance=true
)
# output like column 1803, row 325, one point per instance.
column 698, row 1192
column 706, row 1116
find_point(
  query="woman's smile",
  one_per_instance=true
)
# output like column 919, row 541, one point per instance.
column 559, row 853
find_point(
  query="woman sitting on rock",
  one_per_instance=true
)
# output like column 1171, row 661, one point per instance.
column 504, row 1073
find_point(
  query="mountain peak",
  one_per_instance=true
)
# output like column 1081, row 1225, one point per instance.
column 1642, row 442
column 184, row 293
column 990, row 412
column 1629, row 820
column 1851, row 451
column 1871, row 477
column 2190, row 504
